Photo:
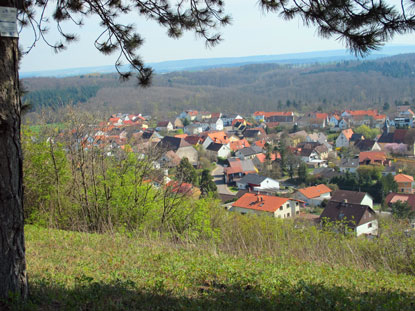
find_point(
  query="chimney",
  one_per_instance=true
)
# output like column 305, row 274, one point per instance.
column 345, row 201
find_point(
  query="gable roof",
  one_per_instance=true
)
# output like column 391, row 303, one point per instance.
column 254, row 179
column 403, row 178
column 394, row 197
column 315, row 191
column 214, row 147
column 273, row 113
column 353, row 197
column 172, row 143
column 372, row 156
column 239, row 144
column 260, row 202
column 365, row 144
column 248, row 151
column 352, row 214
column 218, row 137
column 348, row 133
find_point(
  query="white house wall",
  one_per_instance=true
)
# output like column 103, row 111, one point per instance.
column 366, row 229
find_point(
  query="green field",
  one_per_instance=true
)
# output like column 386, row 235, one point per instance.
column 80, row 271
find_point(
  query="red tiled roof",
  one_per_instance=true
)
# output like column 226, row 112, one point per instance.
column 348, row 133
column 362, row 112
column 321, row 115
column 181, row 135
column 260, row 143
column 403, row 178
column 237, row 120
column 219, row 137
column 260, row 202
column 262, row 157
column 372, row 156
column 315, row 191
column 239, row 144
column 273, row 113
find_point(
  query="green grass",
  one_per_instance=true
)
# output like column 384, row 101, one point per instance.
column 79, row 271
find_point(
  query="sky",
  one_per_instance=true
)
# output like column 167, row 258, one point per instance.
column 252, row 32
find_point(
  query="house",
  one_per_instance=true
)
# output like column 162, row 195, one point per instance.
column 325, row 173
column 178, row 123
column 343, row 124
column 298, row 137
column 260, row 204
column 373, row 158
column 180, row 147
column 349, row 165
column 216, row 150
column 237, row 169
column 343, row 140
column 274, row 116
column 255, row 182
column 314, row 195
column 239, row 144
column 215, row 124
column 193, row 129
column 352, row 197
column 189, row 115
column 169, row 159
column 357, row 217
column 367, row 145
column 184, row 189
column 229, row 118
column 405, row 117
column 219, row 137
column 394, row 197
column 164, row 126
column 399, row 141
column 253, row 134
column 248, row 152
column 334, row 120
column 321, row 149
column 405, row 183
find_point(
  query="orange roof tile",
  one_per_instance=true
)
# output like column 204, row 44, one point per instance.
column 315, row 191
column 348, row 133
column 273, row 113
column 260, row 202
column 239, row 144
column 372, row 156
column 363, row 112
column 403, row 178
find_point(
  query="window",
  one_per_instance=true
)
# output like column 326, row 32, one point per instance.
column 369, row 225
column 288, row 215
column 281, row 208
column 288, row 205
column 297, row 212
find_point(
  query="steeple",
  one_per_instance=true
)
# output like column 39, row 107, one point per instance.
column 386, row 126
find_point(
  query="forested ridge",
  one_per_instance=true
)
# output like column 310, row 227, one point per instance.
column 350, row 84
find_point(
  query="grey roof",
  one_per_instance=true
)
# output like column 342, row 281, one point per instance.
column 365, row 144
column 352, row 214
column 247, row 165
column 352, row 197
column 172, row 143
column 248, row 151
column 350, row 163
column 254, row 179
column 214, row 147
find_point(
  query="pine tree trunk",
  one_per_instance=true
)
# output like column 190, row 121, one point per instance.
column 12, row 249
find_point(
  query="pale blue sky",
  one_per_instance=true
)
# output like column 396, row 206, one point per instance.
column 251, row 33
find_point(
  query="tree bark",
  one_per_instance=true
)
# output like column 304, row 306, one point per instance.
column 13, row 277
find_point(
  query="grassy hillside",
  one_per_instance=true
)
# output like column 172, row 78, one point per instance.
column 79, row 271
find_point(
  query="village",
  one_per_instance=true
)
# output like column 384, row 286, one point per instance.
column 347, row 166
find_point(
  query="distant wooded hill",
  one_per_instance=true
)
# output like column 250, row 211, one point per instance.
column 244, row 89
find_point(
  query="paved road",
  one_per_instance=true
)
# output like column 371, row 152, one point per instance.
column 217, row 174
